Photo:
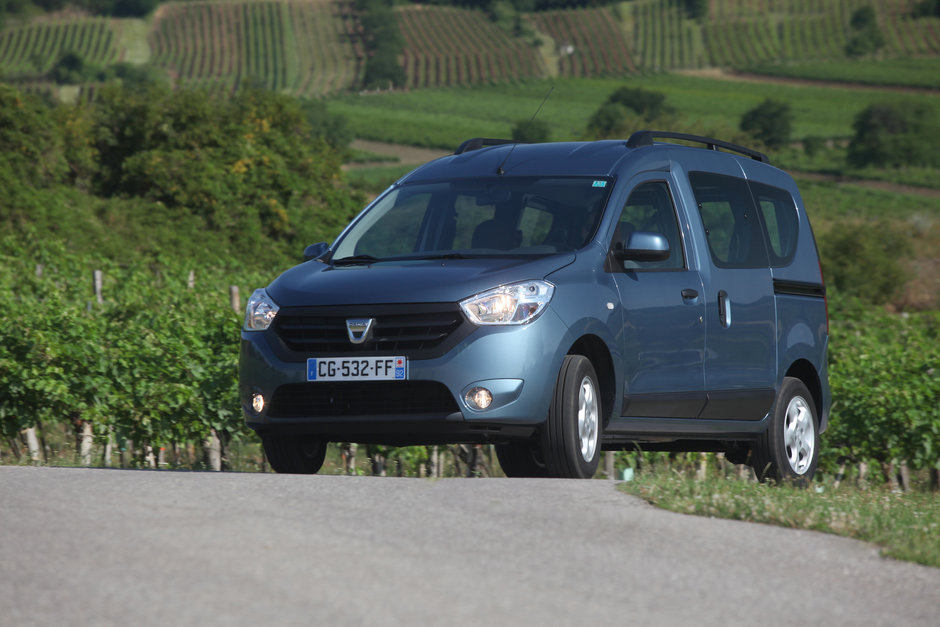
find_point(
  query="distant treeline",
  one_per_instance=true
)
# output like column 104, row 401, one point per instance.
column 116, row 8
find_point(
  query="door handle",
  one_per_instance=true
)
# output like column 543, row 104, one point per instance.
column 689, row 294
column 724, row 309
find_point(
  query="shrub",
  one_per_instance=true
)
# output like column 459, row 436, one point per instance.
column 770, row 122
column 531, row 131
column 865, row 260
column 626, row 110
column 866, row 37
column 896, row 134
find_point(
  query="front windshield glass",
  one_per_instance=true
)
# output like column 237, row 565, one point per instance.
column 479, row 217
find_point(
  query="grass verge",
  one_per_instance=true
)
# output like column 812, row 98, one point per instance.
column 905, row 525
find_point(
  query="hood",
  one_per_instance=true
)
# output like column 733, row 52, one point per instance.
column 417, row 281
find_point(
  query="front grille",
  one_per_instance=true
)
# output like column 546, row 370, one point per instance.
column 421, row 330
column 361, row 398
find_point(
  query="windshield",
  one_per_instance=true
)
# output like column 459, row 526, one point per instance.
column 479, row 217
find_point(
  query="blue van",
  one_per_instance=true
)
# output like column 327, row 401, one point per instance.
column 555, row 300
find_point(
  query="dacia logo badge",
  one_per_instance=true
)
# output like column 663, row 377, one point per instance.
column 359, row 329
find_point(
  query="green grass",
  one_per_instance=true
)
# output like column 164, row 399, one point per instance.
column 905, row 525
column 838, row 201
column 374, row 180
column 443, row 117
column 896, row 72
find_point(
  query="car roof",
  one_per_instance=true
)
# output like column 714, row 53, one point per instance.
column 602, row 158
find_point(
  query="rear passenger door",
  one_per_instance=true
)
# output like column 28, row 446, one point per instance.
column 740, row 319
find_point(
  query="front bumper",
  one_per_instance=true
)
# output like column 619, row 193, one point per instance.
column 518, row 364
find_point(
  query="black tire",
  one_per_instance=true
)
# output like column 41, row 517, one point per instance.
column 571, row 442
column 521, row 459
column 788, row 451
column 294, row 454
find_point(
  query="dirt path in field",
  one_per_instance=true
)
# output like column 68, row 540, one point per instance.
column 407, row 155
column 748, row 77
column 886, row 186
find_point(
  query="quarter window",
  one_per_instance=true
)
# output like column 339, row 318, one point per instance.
column 780, row 219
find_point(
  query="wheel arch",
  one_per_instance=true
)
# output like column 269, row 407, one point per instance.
column 594, row 348
column 803, row 370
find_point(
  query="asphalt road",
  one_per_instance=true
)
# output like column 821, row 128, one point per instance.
column 117, row 547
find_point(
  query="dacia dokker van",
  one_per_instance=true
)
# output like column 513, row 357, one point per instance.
column 555, row 300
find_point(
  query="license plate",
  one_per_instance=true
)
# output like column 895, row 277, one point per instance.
column 357, row 369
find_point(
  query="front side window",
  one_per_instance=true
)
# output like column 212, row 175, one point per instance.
column 650, row 209
column 496, row 216
column 732, row 227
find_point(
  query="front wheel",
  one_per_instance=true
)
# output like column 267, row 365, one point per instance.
column 789, row 450
column 571, row 436
column 294, row 454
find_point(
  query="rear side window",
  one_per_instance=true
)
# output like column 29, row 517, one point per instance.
column 778, row 212
column 732, row 227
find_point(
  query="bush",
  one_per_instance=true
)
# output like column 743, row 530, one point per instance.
column 771, row 122
column 895, row 135
column 866, row 37
column 865, row 260
column 531, row 131
column 626, row 110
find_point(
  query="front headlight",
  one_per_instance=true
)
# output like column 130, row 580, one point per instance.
column 260, row 311
column 517, row 303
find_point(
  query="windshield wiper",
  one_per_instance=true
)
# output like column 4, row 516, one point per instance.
column 355, row 259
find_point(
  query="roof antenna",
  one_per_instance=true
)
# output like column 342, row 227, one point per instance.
column 499, row 170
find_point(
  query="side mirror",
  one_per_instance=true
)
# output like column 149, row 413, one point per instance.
column 644, row 246
column 313, row 251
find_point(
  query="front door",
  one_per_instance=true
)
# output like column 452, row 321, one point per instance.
column 662, row 303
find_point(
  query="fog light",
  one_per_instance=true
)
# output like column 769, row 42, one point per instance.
column 257, row 401
column 479, row 398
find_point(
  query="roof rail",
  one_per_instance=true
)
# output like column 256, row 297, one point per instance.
column 645, row 138
column 481, row 142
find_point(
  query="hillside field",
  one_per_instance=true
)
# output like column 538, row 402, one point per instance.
column 317, row 47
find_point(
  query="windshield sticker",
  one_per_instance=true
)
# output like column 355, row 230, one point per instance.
column 599, row 184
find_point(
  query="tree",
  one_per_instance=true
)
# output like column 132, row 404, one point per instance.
column 866, row 37
column 896, row 134
column 865, row 260
column 531, row 131
column 770, row 122
column 626, row 110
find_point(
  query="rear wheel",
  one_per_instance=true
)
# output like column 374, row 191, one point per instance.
column 521, row 459
column 571, row 437
column 789, row 450
column 295, row 454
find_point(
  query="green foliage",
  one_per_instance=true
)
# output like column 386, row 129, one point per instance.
column 770, row 122
column 384, row 43
column 885, row 378
column 32, row 153
column 626, row 110
column 928, row 7
column 865, row 260
column 896, row 134
column 866, row 36
column 531, row 131
column 156, row 363
column 696, row 9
